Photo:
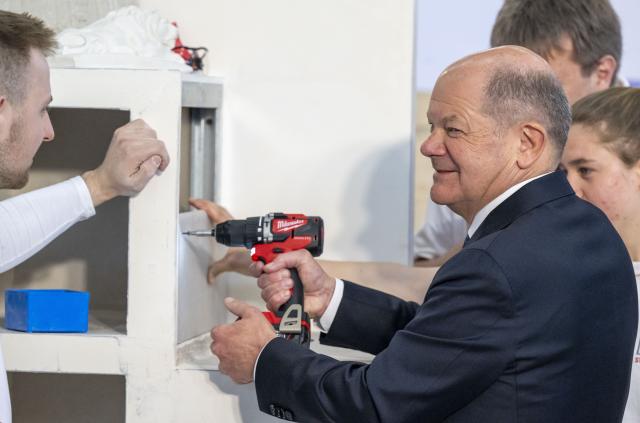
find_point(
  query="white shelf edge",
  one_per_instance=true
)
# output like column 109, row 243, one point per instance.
column 98, row 351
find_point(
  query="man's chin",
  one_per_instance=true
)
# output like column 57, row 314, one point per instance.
column 440, row 195
column 15, row 182
column 438, row 201
column 22, row 183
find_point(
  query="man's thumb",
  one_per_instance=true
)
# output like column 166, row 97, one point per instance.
column 237, row 307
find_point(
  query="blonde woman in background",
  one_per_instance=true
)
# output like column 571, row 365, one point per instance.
column 602, row 161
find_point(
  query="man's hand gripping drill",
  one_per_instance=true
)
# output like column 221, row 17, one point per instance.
column 270, row 235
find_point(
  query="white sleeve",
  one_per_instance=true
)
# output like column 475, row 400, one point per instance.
column 442, row 230
column 28, row 222
column 329, row 314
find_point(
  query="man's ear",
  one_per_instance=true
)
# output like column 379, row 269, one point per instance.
column 533, row 140
column 603, row 72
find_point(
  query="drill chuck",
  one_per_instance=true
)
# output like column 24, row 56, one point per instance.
column 240, row 233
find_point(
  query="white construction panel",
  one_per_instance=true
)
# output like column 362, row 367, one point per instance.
column 200, row 304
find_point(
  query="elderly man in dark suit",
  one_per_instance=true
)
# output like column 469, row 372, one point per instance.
column 533, row 321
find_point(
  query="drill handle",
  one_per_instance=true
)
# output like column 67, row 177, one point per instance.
column 297, row 293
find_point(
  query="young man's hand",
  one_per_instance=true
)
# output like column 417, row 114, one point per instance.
column 134, row 156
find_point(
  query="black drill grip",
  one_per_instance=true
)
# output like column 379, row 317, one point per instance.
column 297, row 293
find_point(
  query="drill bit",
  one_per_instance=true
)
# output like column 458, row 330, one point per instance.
column 201, row 232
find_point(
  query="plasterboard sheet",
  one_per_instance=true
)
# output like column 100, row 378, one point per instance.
column 200, row 304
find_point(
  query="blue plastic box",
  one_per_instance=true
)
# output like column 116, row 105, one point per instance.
column 46, row 310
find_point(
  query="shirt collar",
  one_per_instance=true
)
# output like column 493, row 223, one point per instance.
column 621, row 81
column 484, row 212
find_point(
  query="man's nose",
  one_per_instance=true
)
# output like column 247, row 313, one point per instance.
column 49, row 134
column 433, row 145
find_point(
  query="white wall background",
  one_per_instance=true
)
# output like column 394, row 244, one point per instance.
column 317, row 114
column 447, row 31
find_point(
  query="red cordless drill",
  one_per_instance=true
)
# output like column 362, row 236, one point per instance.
column 270, row 235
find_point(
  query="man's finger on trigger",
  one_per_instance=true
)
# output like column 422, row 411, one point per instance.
column 275, row 265
column 286, row 261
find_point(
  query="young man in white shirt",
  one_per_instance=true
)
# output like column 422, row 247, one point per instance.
column 28, row 222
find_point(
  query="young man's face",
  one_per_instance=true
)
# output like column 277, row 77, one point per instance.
column 576, row 85
column 24, row 126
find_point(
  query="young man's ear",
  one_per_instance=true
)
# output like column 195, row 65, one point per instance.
column 533, row 138
column 603, row 72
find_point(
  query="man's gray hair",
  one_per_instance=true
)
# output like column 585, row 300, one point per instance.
column 515, row 95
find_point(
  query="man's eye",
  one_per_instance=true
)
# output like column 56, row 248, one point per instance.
column 453, row 131
column 430, row 127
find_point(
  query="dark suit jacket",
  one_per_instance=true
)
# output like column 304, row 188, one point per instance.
column 533, row 321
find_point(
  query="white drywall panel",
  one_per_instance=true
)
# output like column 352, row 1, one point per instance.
column 200, row 304
column 317, row 113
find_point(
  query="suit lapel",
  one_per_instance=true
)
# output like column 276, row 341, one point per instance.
column 530, row 196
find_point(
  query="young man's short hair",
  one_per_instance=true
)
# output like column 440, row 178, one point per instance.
column 539, row 25
column 19, row 34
